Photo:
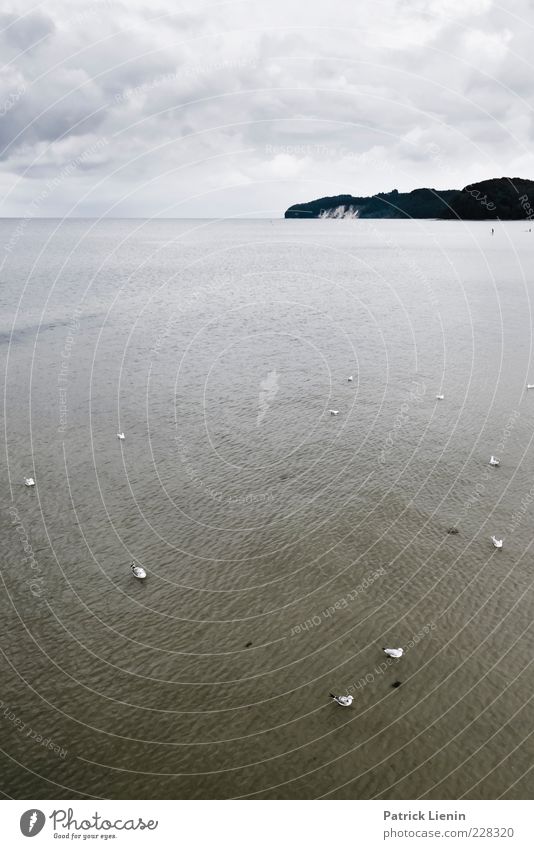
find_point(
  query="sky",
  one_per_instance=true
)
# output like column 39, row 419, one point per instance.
column 111, row 108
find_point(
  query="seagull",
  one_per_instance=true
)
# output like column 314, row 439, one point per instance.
column 393, row 652
column 494, row 461
column 497, row 542
column 440, row 397
column 344, row 701
column 29, row 481
column 530, row 385
column 120, row 435
column 333, row 412
column 350, row 379
column 137, row 571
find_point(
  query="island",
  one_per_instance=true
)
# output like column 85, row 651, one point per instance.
column 502, row 198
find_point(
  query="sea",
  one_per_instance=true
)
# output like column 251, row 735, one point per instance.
column 285, row 545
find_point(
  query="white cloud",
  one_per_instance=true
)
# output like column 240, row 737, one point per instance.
column 281, row 101
column 487, row 49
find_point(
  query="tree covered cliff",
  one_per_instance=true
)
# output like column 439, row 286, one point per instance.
column 505, row 198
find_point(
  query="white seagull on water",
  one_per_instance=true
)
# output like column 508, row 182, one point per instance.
column 29, row 481
column 494, row 461
column 393, row 652
column 120, row 435
column 350, row 379
column 137, row 571
column 344, row 701
column 334, row 412
column 497, row 542
column 440, row 397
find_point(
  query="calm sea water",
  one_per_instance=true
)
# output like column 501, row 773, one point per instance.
column 284, row 546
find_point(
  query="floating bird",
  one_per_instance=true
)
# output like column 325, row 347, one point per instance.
column 137, row 571
column 494, row 461
column 350, row 379
column 120, row 435
column 530, row 385
column 440, row 397
column 334, row 412
column 396, row 684
column 393, row 652
column 497, row 542
column 344, row 701
column 29, row 481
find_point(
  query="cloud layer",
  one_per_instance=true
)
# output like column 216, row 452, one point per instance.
column 243, row 108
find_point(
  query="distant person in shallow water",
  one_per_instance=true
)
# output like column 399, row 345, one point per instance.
column 492, row 231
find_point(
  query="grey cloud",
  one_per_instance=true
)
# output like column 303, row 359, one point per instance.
column 285, row 104
column 25, row 30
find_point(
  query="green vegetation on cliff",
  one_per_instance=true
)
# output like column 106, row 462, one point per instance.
column 502, row 198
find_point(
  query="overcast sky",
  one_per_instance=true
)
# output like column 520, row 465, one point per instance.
column 243, row 108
